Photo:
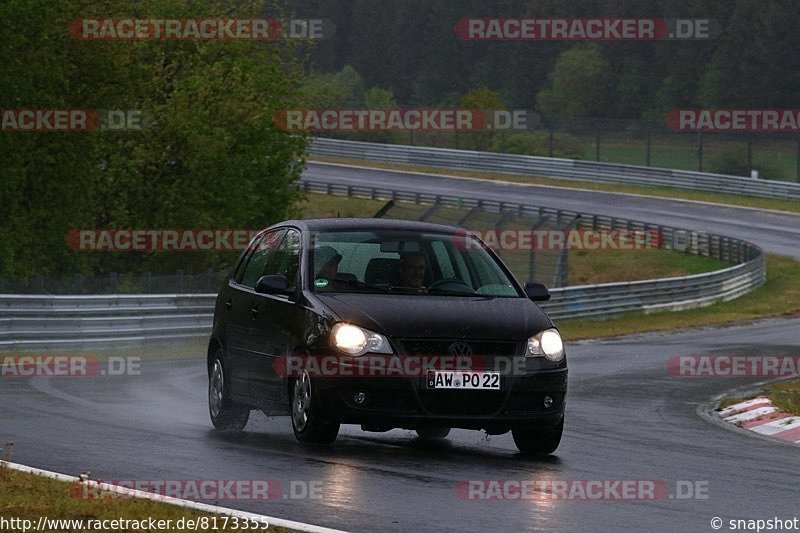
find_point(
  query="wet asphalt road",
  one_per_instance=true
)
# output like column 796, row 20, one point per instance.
column 627, row 418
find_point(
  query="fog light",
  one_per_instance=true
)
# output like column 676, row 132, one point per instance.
column 548, row 402
column 360, row 398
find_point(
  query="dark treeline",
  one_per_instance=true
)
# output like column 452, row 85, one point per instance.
column 410, row 48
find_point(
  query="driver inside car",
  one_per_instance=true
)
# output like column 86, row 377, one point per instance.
column 412, row 269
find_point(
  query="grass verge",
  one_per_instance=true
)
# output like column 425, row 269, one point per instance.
column 779, row 296
column 785, row 395
column 791, row 206
column 28, row 496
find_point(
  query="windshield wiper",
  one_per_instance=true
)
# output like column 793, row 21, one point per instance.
column 452, row 292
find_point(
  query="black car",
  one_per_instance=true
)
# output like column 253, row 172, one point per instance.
column 387, row 324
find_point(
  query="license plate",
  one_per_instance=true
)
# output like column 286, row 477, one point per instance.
column 458, row 379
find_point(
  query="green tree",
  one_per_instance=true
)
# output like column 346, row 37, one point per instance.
column 208, row 156
column 343, row 89
column 580, row 84
column 488, row 101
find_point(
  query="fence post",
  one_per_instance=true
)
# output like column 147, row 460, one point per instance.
column 699, row 151
column 797, row 159
column 597, row 146
column 550, row 143
column 647, row 149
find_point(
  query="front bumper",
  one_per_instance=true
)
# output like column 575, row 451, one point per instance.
column 408, row 403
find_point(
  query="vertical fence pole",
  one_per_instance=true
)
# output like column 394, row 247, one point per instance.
column 647, row 149
column 797, row 159
column 597, row 146
column 700, row 151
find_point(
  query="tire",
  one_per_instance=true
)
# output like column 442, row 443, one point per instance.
column 226, row 416
column 433, row 432
column 307, row 422
column 532, row 440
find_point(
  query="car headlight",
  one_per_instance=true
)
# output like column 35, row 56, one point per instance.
column 548, row 344
column 356, row 341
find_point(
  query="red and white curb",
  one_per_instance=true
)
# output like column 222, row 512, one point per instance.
column 186, row 504
column 760, row 416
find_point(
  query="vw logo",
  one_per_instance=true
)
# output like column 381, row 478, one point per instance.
column 459, row 348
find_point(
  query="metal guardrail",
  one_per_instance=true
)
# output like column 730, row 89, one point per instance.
column 59, row 322
column 569, row 169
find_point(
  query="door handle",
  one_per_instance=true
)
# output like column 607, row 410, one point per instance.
column 254, row 313
column 228, row 304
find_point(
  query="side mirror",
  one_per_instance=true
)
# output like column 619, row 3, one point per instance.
column 275, row 284
column 537, row 291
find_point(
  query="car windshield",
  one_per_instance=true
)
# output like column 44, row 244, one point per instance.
column 420, row 263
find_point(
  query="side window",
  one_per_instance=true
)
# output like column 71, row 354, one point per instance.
column 264, row 250
column 245, row 257
column 286, row 260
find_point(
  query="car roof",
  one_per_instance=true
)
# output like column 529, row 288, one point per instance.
column 357, row 224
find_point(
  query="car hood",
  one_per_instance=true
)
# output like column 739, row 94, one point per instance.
column 412, row 316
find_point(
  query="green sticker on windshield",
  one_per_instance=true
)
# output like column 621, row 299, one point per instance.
column 320, row 282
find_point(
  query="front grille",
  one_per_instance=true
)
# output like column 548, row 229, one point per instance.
column 443, row 347
column 461, row 402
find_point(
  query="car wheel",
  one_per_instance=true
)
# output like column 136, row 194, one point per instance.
column 225, row 415
column 532, row 440
column 307, row 423
column 433, row 432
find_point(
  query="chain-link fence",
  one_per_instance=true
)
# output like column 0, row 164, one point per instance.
column 772, row 155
